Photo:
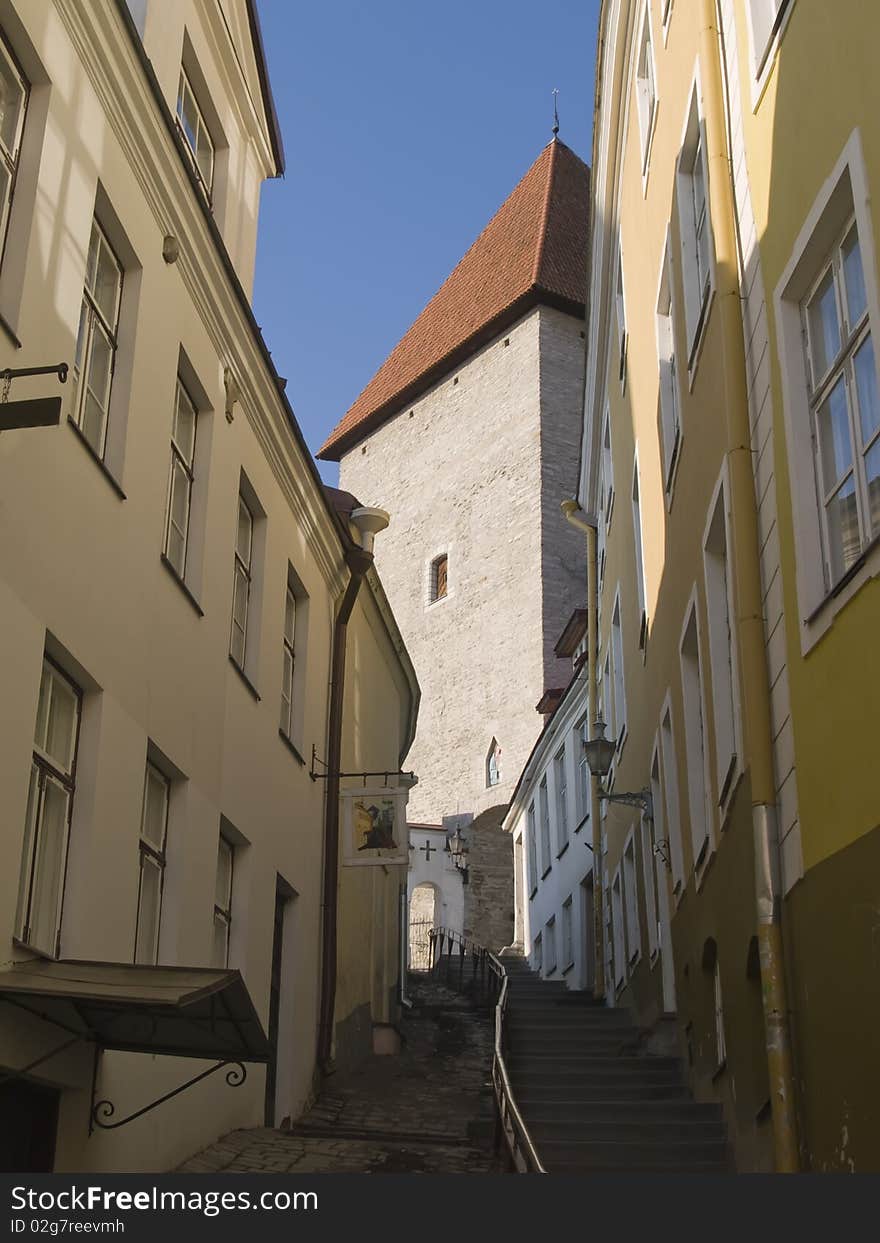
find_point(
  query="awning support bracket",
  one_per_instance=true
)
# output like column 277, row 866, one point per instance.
column 103, row 1110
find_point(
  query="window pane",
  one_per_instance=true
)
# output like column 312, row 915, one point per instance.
column 245, row 531
column 92, row 258
column 286, row 690
column 824, row 326
column 81, row 333
column 834, row 438
column 205, row 156
column 844, row 543
column 61, row 724
column 11, row 102
column 27, row 851
column 99, row 367
column 180, row 489
column 872, row 477
column 184, row 426
column 149, row 902
column 92, row 426
column 290, row 617
column 107, row 283
column 186, row 110
column 240, row 599
column 48, row 867
column 223, row 888
column 220, row 951
column 155, row 808
column 866, row 385
column 856, row 298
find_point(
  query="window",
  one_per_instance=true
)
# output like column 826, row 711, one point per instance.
column 631, row 897
column 669, row 402
column 287, row 665
column 544, row 813
column 607, row 705
column 567, row 939
column 720, row 1043
column 244, row 547
column 844, row 405
column 694, row 221
column 493, row 765
column 223, row 903
column 581, row 736
column 646, row 90
column 620, row 303
column 439, row 578
column 192, row 125
column 532, row 850
column 154, row 829
column 767, row 18
column 49, row 807
column 721, row 643
column 180, row 485
column 669, row 802
column 13, row 103
column 561, row 783
column 618, row 684
column 640, row 556
column 694, row 737
column 618, row 942
column 606, row 493
column 649, row 874
column 96, row 340
column 550, row 945
column 539, row 954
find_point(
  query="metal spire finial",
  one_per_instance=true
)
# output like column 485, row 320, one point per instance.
column 555, row 113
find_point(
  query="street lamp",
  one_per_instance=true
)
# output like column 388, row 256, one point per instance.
column 600, row 752
column 458, row 848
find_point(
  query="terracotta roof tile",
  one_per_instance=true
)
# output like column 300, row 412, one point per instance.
column 534, row 250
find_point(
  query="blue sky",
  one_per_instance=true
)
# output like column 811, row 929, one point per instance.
column 405, row 124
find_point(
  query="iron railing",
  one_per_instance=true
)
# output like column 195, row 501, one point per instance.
column 482, row 975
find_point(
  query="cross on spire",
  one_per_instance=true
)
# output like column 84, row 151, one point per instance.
column 555, row 113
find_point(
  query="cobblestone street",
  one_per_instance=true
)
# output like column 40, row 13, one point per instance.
column 426, row 1111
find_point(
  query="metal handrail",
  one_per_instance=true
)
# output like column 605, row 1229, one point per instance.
column 509, row 1122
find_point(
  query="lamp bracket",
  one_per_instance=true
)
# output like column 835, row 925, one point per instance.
column 637, row 798
column 317, row 776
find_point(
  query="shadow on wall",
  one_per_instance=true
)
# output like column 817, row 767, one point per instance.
column 488, row 895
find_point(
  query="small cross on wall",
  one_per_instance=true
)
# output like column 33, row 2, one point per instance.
column 428, row 850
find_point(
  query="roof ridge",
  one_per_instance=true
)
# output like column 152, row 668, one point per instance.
column 545, row 211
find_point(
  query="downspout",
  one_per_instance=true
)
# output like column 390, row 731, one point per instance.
column 749, row 604
column 576, row 516
column 358, row 561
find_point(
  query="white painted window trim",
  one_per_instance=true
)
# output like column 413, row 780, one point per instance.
column 762, row 60
column 620, row 308
column 697, row 303
column 567, row 914
column 639, row 546
column 629, row 858
column 817, row 606
column 532, row 850
column 666, row 781
column 544, row 825
column 728, row 761
column 618, row 931
column 649, row 880
column 551, row 959
column 703, row 849
column 720, row 1041
column 618, row 671
column 647, row 124
column 668, row 373
column 560, row 801
column 666, row 7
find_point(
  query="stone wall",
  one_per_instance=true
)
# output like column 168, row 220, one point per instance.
column 488, row 894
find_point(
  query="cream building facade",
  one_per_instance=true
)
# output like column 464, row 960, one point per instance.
column 171, row 579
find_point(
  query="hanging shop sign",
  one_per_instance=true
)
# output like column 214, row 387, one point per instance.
column 374, row 826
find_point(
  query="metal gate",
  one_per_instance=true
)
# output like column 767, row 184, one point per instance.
column 420, row 944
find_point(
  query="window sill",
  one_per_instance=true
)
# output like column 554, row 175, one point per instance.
column 32, row 949
column 561, row 852
column 586, row 820
column 546, row 872
column 182, row 585
column 532, row 894
column 99, row 462
column 244, row 677
column 289, row 745
column 565, row 970
column 843, row 582
column 8, row 329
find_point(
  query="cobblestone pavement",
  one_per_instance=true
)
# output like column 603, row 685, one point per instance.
column 427, row 1110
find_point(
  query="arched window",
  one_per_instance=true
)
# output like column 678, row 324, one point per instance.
column 493, row 764
column 439, row 577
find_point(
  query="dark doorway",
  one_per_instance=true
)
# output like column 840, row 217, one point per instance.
column 282, row 897
column 28, row 1123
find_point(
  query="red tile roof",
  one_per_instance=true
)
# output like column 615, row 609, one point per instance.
column 533, row 251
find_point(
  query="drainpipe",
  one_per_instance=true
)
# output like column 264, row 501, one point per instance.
column 576, row 516
column 358, row 560
column 749, row 603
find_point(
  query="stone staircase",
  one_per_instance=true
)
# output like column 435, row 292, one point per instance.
column 591, row 1100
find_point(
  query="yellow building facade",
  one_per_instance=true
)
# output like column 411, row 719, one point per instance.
column 731, row 466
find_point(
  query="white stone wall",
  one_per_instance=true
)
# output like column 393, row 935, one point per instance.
column 477, row 468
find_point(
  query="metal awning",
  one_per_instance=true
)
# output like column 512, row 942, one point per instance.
column 136, row 1008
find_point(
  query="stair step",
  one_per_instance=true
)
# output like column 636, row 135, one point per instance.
column 537, row 1108
column 600, row 1092
column 624, row 1154
column 557, row 1164
column 549, row 1130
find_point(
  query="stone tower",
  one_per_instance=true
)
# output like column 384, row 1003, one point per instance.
column 468, row 435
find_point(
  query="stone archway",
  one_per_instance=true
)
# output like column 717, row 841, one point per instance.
column 423, row 909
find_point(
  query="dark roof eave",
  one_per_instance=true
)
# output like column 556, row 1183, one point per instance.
column 334, row 448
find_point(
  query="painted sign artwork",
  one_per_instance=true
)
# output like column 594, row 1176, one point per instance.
column 374, row 826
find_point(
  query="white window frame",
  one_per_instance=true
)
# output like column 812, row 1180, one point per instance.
column 620, row 306
column 532, row 849
column 567, row 934
column 668, row 377
column 552, row 959
column 695, row 222
column 649, row 878
column 95, row 326
column 494, row 754
column 10, row 152
column 242, row 582
column 223, row 901
column 582, row 735
column 47, row 771
column 641, row 585
column 202, row 128
column 720, row 1041
column 667, row 778
column 646, row 90
column 544, row 825
column 666, row 17
column 844, row 194
column 432, row 581
column 151, row 855
column 288, row 661
column 693, row 696
column 720, row 615
column 183, row 468
column 538, row 952
column 764, row 43
column 560, row 783
column 618, row 677
column 631, row 901
column 618, row 932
